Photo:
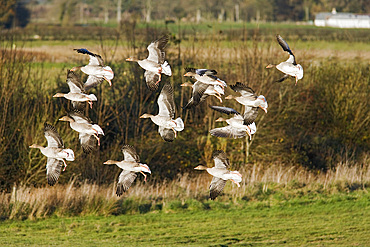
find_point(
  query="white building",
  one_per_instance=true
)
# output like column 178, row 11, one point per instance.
column 342, row 20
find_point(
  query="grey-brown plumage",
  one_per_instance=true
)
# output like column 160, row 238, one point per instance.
column 53, row 166
column 220, row 174
column 53, row 170
column 218, row 184
column 167, row 134
column 216, row 187
column 75, row 86
column 285, row 47
column 125, row 180
column 88, row 142
column 198, row 95
column 155, row 64
column 151, row 79
column 130, row 166
column 157, row 48
column 249, row 99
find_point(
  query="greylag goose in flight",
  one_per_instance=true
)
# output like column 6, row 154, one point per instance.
column 95, row 69
column 130, row 165
column 220, row 174
column 154, row 64
column 168, row 126
column 236, row 125
column 289, row 67
column 201, row 91
column 88, row 132
column 250, row 100
column 206, row 76
column 55, row 153
column 77, row 92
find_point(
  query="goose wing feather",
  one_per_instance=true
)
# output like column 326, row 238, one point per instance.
column 95, row 59
column 244, row 90
column 52, row 136
column 286, row 48
column 74, row 83
column 125, row 180
column 151, row 79
column 166, row 102
column 79, row 117
column 228, row 132
column 224, row 109
column 130, row 154
column 220, row 159
column 53, row 170
column 92, row 81
column 156, row 50
column 250, row 114
column 216, row 187
column 88, row 142
column 167, row 134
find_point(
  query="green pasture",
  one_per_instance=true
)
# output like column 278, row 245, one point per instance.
column 334, row 221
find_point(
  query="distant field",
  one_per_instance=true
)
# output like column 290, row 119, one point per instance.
column 334, row 221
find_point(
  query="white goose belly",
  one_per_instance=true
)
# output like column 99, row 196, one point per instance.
column 83, row 128
column 150, row 66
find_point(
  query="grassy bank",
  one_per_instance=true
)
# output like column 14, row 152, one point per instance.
column 338, row 220
column 265, row 186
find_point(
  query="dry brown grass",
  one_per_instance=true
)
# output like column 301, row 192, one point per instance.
column 91, row 199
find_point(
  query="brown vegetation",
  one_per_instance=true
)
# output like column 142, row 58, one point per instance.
column 313, row 127
column 260, row 182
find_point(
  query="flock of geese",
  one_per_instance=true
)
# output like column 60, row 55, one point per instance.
column 206, row 84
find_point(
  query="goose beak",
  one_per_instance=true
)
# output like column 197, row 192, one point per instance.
column 265, row 109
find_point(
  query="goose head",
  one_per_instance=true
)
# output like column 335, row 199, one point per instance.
column 35, row 146
column 190, row 73
column 146, row 115
column 230, row 97
column 76, row 68
column 220, row 119
column 186, row 84
column 59, row 95
column 132, row 59
column 67, row 119
column 110, row 162
column 201, row 167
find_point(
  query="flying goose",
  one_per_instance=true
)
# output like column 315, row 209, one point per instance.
column 55, row 153
column 88, row 132
column 154, row 64
column 250, row 100
column 206, row 76
column 95, row 69
column 168, row 126
column 130, row 165
column 201, row 91
column 236, row 127
column 77, row 92
column 289, row 67
column 220, row 174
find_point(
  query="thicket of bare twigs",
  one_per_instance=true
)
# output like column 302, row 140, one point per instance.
column 314, row 132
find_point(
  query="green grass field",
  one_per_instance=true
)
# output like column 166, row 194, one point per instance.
column 338, row 220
